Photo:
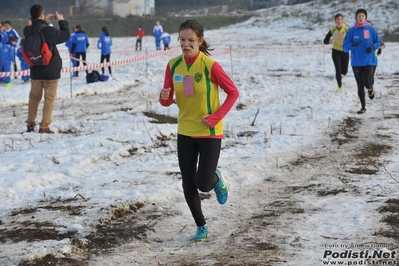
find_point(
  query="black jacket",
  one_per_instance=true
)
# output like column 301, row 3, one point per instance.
column 53, row 37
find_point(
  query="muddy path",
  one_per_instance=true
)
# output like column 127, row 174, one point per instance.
column 295, row 212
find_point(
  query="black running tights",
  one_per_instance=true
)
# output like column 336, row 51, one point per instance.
column 364, row 76
column 79, row 55
column 106, row 57
column 341, row 62
column 206, row 152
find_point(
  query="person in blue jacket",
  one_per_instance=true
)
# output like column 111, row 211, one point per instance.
column 11, row 32
column 1, row 61
column 3, row 34
column 24, row 64
column 80, row 43
column 8, row 59
column 157, row 32
column 104, row 43
column 362, row 40
column 69, row 45
column 165, row 37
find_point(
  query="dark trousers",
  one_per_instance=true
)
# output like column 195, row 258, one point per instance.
column 106, row 57
column 205, row 152
column 82, row 55
column 157, row 43
column 15, row 67
column 138, row 44
column 364, row 76
column 341, row 62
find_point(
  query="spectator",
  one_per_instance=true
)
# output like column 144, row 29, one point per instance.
column 165, row 37
column 157, row 32
column 80, row 43
column 8, row 59
column 45, row 78
column 69, row 45
column 139, row 35
column 24, row 64
column 104, row 43
column 12, row 33
column 3, row 34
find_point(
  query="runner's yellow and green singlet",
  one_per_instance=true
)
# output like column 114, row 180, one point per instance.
column 205, row 100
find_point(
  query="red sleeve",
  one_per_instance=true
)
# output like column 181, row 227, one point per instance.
column 168, row 83
column 219, row 76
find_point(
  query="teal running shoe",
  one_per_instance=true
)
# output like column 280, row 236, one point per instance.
column 221, row 189
column 202, row 233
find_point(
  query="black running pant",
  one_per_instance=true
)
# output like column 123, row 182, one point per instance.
column 15, row 65
column 79, row 55
column 341, row 62
column 364, row 76
column 106, row 57
column 206, row 152
column 138, row 44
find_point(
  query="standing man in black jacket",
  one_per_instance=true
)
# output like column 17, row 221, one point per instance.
column 45, row 78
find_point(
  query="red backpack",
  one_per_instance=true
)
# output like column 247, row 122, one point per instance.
column 35, row 50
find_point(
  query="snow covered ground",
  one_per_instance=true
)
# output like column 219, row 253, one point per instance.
column 308, row 178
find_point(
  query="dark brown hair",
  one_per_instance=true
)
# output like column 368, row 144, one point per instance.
column 198, row 28
column 338, row 15
column 105, row 29
column 36, row 11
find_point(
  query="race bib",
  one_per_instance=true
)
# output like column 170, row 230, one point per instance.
column 188, row 85
column 366, row 34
